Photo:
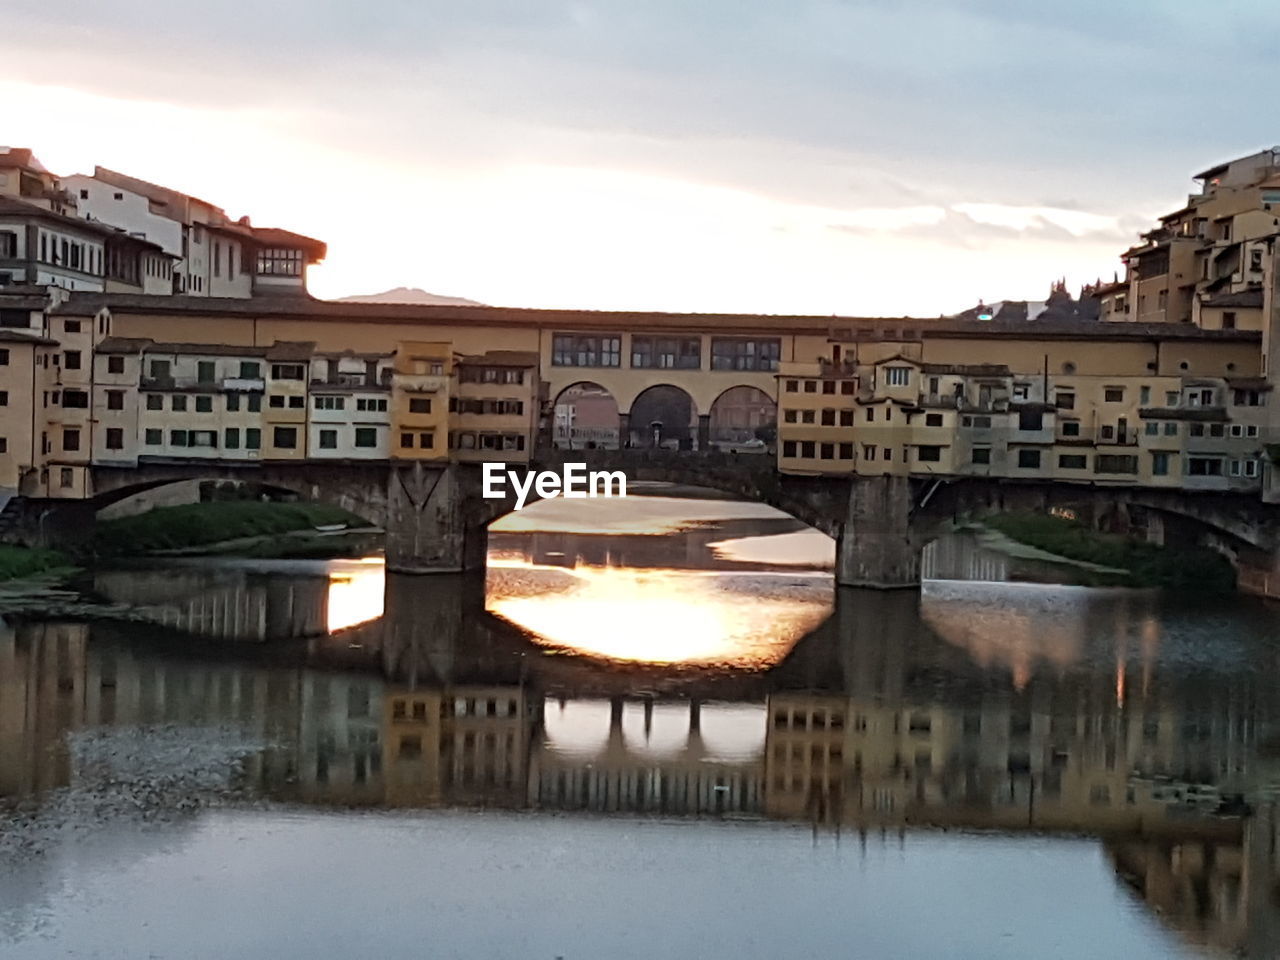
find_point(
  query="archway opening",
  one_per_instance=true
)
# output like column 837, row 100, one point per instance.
column 664, row 417
column 669, row 576
column 585, row 417
column 745, row 420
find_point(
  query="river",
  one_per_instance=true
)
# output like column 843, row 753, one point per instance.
column 654, row 728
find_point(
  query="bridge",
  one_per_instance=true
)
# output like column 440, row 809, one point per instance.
column 436, row 518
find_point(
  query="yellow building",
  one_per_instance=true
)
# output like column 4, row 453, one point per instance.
column 420, row 391
column 493, row 407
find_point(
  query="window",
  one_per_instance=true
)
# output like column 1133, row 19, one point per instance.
column 115, row 399
column 276, row 400
column 826, row 451
column 66, row 478
column 790, row 416
column 897, row 376
column 788, row 448
column 807, row 449
column 585, row 350
column 981, row 455
column 177, row 438
column 71, row 439
column 1030, row 420
column 868, row 451
column 153, row 438
column 933, row 419
column 928, row 454
column 203, row 438
column 297, row 403
column 1113, row 395
column 255, row 402
column 252, row 438
column 846, row 451
column 406, row 441
column 1204, row 466
column 419, row 405
column 1159, row 464
column 807, row 416
column 75, row 399
column 811, row 386
column 1071, row 428
column 792, row 386
column 1021, row 391
column 871, row 414
column 1234, row 468
column 1171, row 398
column 336, row 403
column 250, row 370
column 233, row 402
column 1170, row 428
column 8, row 244
column 1151, row 428
column 428, row 440
column 286, row 371
column 279, row 262
column 1115, row 463
column 828, row 386
column 115, row 364
column 1228, row 320
column 737, row 353
column 204, row 404
column 205, row 371
column 848, row 387
column 846, row 418
column 1029, row 459
column 155, row 401
column 72, row 360
column 179, row 403
column 828, row 418
column 679, row 353
column 284, row 438
column 366, row 437
column 231, row 438
column 371, row 404
column 1236, row 430
column 1144, row 396
column 328, row 440
column 71, row 326
column 1251, row 468
column 1246, row 398
column 1064, row 400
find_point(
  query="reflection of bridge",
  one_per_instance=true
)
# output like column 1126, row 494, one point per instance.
column 436, row 519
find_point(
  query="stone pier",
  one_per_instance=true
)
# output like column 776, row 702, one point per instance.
column 426, row 530
column 875, row 547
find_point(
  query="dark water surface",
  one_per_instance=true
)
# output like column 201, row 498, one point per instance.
column 668, row 737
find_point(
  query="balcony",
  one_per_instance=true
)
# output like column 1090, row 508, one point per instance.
column 421, row 382
column 244, row 384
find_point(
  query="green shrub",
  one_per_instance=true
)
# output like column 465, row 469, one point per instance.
column 25, row 561
column 200, row 524
column 1195, row 569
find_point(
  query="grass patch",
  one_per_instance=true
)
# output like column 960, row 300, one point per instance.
column 16, row 562
column 1193, row 569
column 202, row 524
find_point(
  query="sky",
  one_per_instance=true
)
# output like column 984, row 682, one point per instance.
column 870, row 157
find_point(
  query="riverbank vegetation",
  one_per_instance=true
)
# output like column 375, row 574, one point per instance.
column 17, row 562
column 206, row 524
column 1191, row 569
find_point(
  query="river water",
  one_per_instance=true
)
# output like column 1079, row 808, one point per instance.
column 653, row 729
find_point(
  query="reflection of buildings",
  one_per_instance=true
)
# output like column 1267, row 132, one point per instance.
column 463, row 744
column 626, row 770
column 224, row 603
column 42, row 697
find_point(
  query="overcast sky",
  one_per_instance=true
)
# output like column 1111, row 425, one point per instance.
column 872, row 157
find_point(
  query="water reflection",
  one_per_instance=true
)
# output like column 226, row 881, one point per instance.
column 677, row 580
column 1137, row 719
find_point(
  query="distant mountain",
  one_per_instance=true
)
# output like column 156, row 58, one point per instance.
column 411, row 295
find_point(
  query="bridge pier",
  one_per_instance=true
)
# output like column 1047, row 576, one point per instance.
column 426, row 521
column 875, row 547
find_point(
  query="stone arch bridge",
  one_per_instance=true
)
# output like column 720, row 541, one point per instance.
column 436, row 519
